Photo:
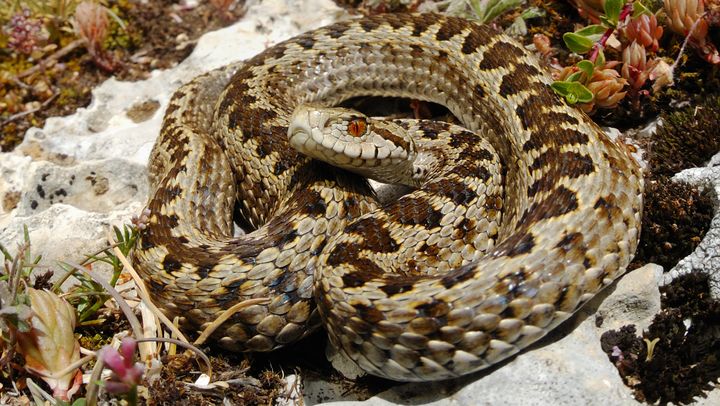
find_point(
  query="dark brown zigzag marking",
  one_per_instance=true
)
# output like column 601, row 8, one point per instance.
column 464, row 139
column 306, row 40
column 500, row 54
column 375, row 236
column 311, row 203
column 338, row 29
column 280, row 167
column 570, row 241
column 274, row 52
column 416, row 51
column 519, row 80
column 466, row 169
column 570, row 164
column 396, row 20
column 449, row 29
column 352, row 208
column 365, row 270
column 369, row 24
column 423, row 22
column 458, row 275
column 465, row 230
column 458, row 192
column 369, row 314
column 607, row 207
column 436, row 308
column 554, row 136
column 395, row 287
column 478, row 35
column 509, row 287
column 411, row 211
column 517, row 244
column 559, row 201
column 170, row 264
column 175, row 143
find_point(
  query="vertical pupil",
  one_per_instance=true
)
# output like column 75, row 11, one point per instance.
column 356, row 128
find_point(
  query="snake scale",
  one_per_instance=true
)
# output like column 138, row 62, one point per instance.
column 487, row 272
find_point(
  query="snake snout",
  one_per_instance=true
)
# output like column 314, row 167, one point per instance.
column 305, row 128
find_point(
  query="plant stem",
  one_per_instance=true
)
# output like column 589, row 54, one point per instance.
column 626, row 10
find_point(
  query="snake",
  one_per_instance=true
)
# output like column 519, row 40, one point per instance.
column 514, row 218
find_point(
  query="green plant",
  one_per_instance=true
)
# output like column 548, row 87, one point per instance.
column 592, row 39
column 89, row 296
column 488, row 10
column 483, row 11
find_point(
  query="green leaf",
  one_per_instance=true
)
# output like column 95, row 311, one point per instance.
column 118, row 234
column 500, row 7
column 612, row 10
column 79, row 402
column 575, row 77
column 586, row 66
column 600, row 60
column 639, row 9
column 532, row 12
column 593, row 32
column 605, row 22
column 577, row 43
column 574, row 92
column 6, row 253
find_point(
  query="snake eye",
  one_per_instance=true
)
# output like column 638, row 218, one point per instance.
column 357, row 127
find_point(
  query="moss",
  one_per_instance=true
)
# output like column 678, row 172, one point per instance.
column 688, row 137
column 676, row 216
column 120, row 37
column 685, row 360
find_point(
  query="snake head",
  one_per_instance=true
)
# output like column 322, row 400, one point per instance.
column 377, row 148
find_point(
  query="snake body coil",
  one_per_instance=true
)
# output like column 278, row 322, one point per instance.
column 481, row 275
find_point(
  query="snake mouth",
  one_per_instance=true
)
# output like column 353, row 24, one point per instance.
column 305, row 130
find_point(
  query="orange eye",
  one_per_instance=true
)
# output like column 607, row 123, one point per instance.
column 357, row 127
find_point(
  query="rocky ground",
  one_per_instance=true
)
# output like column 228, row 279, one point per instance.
column 73, row 178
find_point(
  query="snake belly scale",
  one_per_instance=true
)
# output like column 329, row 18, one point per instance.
column 569, row 222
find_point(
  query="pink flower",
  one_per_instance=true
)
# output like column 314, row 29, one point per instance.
column 126, row 373
column 24, row 32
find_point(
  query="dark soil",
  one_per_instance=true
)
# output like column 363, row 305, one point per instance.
column 685, row 361
column 677, row 216
column 158, row 35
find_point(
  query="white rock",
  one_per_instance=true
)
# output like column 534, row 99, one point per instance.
column 90, row 166
column 636, row 300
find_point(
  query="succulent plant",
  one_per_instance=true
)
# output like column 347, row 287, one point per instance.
column 634, row 68
column 49, row 346
column 25, row 33
column 607, row 85
column 688, row 17
column 682, row 15
column 644, row 30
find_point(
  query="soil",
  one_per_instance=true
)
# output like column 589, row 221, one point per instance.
column 676, row 216
column 158, row 35
column 678, row 358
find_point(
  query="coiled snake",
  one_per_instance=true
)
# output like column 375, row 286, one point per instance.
column 449, row 279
